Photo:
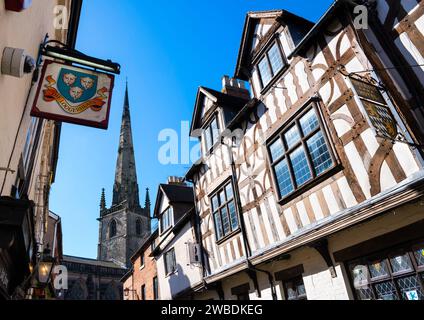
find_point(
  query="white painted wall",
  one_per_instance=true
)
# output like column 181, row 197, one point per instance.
column 186, row 275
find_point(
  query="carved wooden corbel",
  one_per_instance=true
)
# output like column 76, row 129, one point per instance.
column 322, row 247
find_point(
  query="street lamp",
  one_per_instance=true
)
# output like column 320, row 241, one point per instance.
column 127, row 292
column 45, row 267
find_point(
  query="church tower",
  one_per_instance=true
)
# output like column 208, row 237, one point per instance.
column 125, row 224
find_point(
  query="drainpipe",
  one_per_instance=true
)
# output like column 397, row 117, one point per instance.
column 198, row 232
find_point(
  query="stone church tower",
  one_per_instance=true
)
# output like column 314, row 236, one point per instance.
column 125, row 224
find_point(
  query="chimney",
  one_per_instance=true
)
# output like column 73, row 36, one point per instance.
column 235, row 87
column 176, row 181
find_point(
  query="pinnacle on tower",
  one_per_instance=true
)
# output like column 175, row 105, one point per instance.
column 103, row 200
column 147, row 203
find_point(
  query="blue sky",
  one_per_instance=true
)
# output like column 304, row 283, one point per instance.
column 167, row 49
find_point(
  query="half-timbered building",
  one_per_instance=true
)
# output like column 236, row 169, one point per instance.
column 310, row 187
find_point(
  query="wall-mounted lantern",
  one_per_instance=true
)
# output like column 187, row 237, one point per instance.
column 45, row 267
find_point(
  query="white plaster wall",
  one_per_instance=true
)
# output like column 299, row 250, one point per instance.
column 186, row 275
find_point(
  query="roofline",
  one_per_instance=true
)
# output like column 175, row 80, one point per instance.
column 161, row 191
column 144, row 245
column 94, row 260
column 258, row 15
column 200, row 90
column 174, row 230
column 316, row 27
column 127, row 275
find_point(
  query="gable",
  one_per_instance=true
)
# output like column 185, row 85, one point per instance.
column 259, row 29
column 206, row 105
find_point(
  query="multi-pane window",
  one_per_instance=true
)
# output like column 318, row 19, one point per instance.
column 155, row 288
column 295, row 289
column 170, row 262
column 395, row 276
column 211, row 134
column 270, row 64
column 166, row 220
column 300, row 153
column 224, row 211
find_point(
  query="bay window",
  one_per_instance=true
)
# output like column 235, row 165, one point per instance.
column 224, row 212
column 300, row 153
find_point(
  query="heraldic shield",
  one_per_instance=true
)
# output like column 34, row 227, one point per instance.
column 76, row 87
column 73, row 94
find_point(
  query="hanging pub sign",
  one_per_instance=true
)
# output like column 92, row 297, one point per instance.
column 74, row 95
column 379, row 113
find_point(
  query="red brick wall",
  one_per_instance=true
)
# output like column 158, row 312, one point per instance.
column 143, row 276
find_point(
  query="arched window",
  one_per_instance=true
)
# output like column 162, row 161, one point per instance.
column 138, row 227
column 112, row 229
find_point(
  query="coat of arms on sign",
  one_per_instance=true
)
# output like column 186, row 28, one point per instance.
column 74, row 95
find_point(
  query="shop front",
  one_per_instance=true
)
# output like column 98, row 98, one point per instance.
column 387, row 267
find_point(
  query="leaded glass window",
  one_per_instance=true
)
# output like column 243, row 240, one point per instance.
column 211, row 134
column 419, row 257
column 300, row 153
column 224, row 211
column 265, row 71
column 295, row 289
column 401, row 263
column 271, row 64
column 396, row 276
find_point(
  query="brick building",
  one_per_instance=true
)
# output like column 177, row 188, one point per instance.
column 141, row 282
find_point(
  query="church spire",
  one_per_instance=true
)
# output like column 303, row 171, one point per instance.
column 126, row 186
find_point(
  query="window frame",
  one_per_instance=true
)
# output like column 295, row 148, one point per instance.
column 170, row 212
column 143, row 292
column 214, row 194
column 392, row 276
column 142, row 261
column 274, row 75
column 155, row 288
column 296, row 281
column 174, row 258
column 279, row 135
column 208, row 128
